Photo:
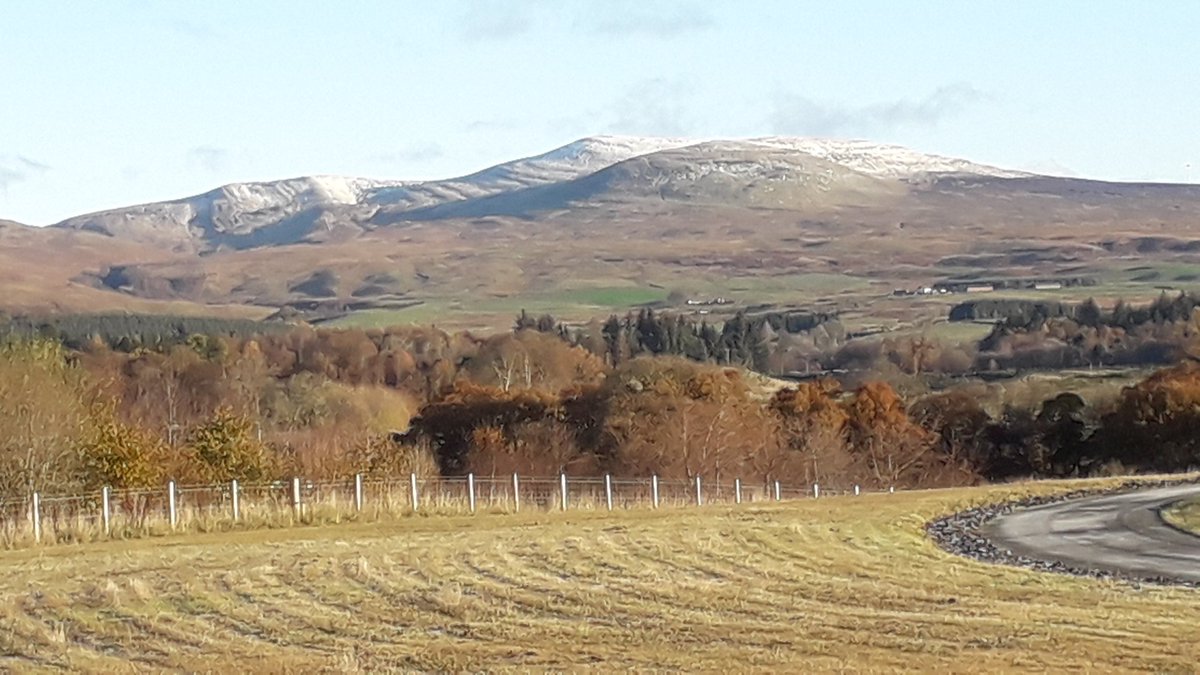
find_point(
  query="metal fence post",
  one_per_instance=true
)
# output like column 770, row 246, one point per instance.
column 412, row 484
column 737, row 490
column 654, row 490
column 36, row 514
column 778, row 494
column 563, row 485
column 608, row 490
column 172, row 513
column 236, row 499
column 105, row 510
column 516, row 494
column 699, row 496
column 358, row 492
column 471, row 491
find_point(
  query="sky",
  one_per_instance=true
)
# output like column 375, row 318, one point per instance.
column 131, row 101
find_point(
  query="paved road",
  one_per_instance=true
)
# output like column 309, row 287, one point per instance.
column 1116, row 533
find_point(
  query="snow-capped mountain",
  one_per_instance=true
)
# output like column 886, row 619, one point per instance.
column 245, row 215
column 568, row 162
column 882, row 160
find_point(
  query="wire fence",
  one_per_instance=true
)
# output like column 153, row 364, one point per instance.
column 123, row 514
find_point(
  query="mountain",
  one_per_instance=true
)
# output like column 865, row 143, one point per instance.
column 248, row 215
column 749, row 174
column 240, row 215
column 605, row 223
column 568, row 162
column 316, row 208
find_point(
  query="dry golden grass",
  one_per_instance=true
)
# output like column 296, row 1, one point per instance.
column 1185, row 515
column 839, row 583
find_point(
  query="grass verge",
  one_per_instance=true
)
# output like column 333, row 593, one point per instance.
column 837, row 583
column 1184, row 515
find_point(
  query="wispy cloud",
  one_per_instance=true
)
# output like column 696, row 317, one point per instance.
column 1049, row 167
column 183, row 19
column 657, row 106
column 506, row 19
column 17, row 168
column 656, row 19
column 795, row 114
column 416, row 153
column 489, row 125
column 208, row 157
column 498, row 20
column 193, row 28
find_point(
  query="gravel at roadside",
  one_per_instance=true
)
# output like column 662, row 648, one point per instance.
column 961, row 534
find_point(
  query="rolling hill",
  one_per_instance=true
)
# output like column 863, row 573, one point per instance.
column 604, row 168
column 766, row 220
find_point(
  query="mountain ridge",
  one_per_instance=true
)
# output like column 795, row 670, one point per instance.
column 264, row 213
column 769, row 220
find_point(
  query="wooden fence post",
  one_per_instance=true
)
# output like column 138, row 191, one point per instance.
column 172, row 513
column 36, row 514
column 608, row 490
column 856, row 491
column 516, row 494
column 654, row 490
column 412, row 485
column 778, row 492
column 105, row 510
column 296, row 505
column 737, row 490
column 699, row 496
column 563, row 486
column 816, row 491
column 236, row 499
column 358, row 492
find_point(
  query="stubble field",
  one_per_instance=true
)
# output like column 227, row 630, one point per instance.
column 837, row 583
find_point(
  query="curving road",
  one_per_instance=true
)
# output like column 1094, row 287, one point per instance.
column 1119, row 533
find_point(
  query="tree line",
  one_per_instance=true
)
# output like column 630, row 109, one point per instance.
column 330, row 403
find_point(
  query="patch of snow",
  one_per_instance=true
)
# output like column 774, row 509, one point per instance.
column 882, row 160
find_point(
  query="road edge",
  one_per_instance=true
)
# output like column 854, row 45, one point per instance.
column 962, row 533
column 1159, row 512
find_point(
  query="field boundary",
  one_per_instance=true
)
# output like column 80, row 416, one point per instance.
column 108, row 514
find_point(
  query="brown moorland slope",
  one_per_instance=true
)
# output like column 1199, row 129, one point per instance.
column 757, row 226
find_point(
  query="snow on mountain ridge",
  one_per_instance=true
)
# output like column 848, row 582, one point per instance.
column 881, row 159
column 239, row 209
column 576, row 159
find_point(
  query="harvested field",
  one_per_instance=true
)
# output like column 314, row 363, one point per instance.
column 842, row 582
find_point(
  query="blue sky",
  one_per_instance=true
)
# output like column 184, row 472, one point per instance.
column 108, row 104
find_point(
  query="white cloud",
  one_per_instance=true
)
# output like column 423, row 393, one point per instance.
column 656, row 107
column 208, row 157
column 17, row 168
column 657, row 19
column 795, row 114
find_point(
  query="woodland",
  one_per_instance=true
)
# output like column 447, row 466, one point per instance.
column 135, row 401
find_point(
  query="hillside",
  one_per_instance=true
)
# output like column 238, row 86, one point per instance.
column 718, row 173
column 606, row 223
column 251, row 215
